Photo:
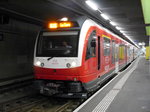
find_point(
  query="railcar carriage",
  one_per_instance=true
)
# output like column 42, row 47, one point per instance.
column 74, row 57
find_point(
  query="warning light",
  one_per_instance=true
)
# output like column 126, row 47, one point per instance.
column 64, row 24
column 53, row 25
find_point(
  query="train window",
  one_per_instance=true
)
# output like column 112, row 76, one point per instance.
column 91, row 48
column 116, row 52
column 128, row 52
column 121, row 52
column 106, row 46
column 125, row 51
column 58, row 44
column 113, row 51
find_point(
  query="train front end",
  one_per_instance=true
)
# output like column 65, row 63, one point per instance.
column 56, row 62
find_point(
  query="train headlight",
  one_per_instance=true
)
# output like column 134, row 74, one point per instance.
column 68, row 65
column 38, row 63
column 73, row 64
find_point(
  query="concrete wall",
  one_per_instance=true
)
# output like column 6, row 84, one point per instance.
column 16, row 49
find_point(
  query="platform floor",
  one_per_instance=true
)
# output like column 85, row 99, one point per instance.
column 129, row 91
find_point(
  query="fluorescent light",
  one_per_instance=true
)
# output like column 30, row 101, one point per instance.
column 125, row 35
column 118, row 28
column 121, row 31
column 112, row 23
column 129, row 38
column 143, row 43
column 140, row 43
column 105, row 16
column 92, row 5
column 132, row 41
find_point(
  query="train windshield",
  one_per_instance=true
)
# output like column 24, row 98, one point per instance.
column 58, row 44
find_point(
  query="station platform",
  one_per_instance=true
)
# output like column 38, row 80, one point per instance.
column 129, row 91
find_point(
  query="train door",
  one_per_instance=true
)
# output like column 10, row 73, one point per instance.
column 98, row 56
column 116, row 58
column 106, row 61
column 91, row 60
column 113, row 54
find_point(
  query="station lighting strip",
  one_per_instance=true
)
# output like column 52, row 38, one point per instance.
column 92, row 5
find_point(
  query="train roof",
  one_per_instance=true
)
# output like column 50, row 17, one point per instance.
column 81, row 21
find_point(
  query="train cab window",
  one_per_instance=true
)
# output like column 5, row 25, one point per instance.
column 91, row 46
column 58, row 44
column 106, row 46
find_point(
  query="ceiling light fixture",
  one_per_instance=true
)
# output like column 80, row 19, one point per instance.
column 112, row 23
column 118, row 28
column 92, row 5
column 125, row 34
column 122, row 31
column 129, row 39
column 143, row 43
column 132, row 41
column 95, row 7
column 105, row 16
column 140, row 44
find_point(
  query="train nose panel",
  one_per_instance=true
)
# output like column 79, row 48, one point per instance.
column 61, row 72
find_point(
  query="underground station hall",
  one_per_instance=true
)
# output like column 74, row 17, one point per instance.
column 74, row 55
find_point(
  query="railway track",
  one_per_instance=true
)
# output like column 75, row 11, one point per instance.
column 21, row 104
column 57, row 106
column 34, row 102
column 22, row 97
column 38, row 103
column 16, row 91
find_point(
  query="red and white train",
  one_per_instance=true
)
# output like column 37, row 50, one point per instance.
column 74, row 57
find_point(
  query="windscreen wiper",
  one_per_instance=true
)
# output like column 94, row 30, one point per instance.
column 49, row 58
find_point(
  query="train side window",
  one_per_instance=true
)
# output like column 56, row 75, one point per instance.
column 116, row 52
column 121, row 52
column 128, row 52
column 106, row 46
column 113, row 51
column 91, row 46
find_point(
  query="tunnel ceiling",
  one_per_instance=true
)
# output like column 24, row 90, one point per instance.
column 126, row 13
